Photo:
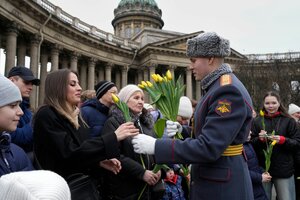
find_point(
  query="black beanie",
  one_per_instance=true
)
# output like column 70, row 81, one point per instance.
column 102, row 87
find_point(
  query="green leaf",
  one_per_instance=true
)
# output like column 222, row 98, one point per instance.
column 159, row 127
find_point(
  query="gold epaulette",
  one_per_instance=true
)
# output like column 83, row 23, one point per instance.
column 225, row 80
column 233, row 150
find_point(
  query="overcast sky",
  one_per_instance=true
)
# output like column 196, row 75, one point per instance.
column 252, row 26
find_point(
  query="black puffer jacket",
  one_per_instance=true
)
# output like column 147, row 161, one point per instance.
column 129, row 182
column 282, row 160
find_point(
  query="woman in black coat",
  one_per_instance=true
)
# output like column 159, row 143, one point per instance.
column 61, row 141
column 287, row 137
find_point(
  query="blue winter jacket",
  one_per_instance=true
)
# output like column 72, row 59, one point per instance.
column 12, row 158
column 23, row 135
column 95, row 115
column 255, row 173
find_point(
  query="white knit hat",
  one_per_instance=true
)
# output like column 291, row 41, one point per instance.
column 293, row 109
column 126, row 92
column 185, row 107
column 34, row 185
column 9, row 92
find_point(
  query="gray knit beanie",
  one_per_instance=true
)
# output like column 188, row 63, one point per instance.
column 9, row 92
column 208, row 44
column 127, row 91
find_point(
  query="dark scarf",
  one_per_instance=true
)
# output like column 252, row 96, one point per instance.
column 210, row 78
column 5, row 140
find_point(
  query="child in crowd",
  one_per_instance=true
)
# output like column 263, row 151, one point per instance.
column 174, row 189
column 257, row 174
column 12, row 158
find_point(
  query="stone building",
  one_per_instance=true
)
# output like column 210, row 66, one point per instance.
column 139, row 46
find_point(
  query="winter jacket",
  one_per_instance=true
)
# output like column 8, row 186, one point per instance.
column 282, row 159
column 129, row 182
column 12, row 158
column 174, row 190
column 222, row 118
column 62, row 148
column 255, row 173
column 95, row 115
column 23, row 135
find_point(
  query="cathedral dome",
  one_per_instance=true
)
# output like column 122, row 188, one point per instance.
column 131, row 16
column 149, row 2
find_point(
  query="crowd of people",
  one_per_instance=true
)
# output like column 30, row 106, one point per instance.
column 83, row 132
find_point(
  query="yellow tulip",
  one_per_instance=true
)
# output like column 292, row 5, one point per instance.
column 274, row 142
column 115, row 98
column 169, row 75
column 160, row 79
column 141, row 86
column 144, row 84
column 165, row 79
column 261, row 113
column 154, row 77
column 149, row 83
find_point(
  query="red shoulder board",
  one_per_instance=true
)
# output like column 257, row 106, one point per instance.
column 225, row 80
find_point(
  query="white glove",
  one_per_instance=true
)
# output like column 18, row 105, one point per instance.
column 172, row 128
column 143, row 144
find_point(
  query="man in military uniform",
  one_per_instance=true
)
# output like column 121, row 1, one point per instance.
column 222, row 123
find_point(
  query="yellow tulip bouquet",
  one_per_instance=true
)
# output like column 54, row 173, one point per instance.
column 269, row 143
column 165, row 93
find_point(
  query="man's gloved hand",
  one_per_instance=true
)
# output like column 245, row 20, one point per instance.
column 172, row 128
column 143, row 144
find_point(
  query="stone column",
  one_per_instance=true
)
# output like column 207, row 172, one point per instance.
column 91, row 73
column 83, row 72
column 124, row 75
column 101, row 74
column 55, row 57
column 65, row 62
column 146, row 73
column 189, row 85
column 11, row 47
column 140, row 75
column 172, row 70
column 21, row 53
column 118, row 79
column 152, row 70
column 43, row 75
column 108, row 68
column 74, row 61
column 146, row 78
column 34, row 48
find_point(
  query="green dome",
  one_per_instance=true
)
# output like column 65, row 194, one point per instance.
column 149, row 2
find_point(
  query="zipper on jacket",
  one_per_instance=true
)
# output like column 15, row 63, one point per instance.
column 5, row 160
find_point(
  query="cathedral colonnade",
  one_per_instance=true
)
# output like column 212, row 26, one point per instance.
column 53, row 39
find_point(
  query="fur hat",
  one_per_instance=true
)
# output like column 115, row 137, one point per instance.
column 185, row 107
column 34, row 185
column 102, row 87
column 208, row 44
column 126, row 92
column 9, row 92
column 293, row 109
